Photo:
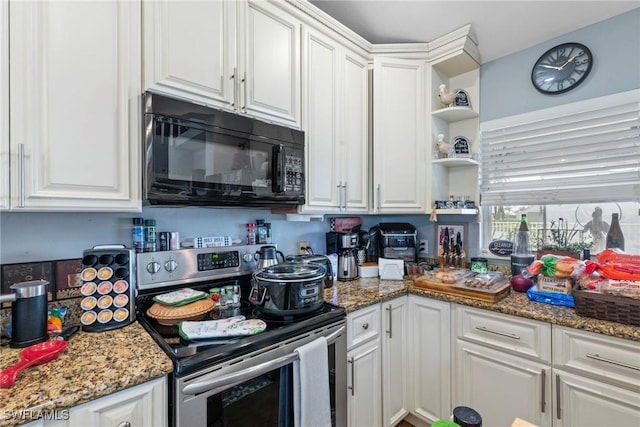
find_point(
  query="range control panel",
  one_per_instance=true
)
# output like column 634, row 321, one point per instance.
column 184, row 266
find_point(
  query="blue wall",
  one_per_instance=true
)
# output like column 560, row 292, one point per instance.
column 505, row 83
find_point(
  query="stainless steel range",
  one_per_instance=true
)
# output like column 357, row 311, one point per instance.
column 238, row 381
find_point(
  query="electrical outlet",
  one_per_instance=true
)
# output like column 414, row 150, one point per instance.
column 303, row 247
column 423, row 248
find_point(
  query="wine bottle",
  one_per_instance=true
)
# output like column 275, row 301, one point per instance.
column 522, row 254
column 615, row 238
column 523, row 238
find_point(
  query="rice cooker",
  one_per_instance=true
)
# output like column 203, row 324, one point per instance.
column 288, row 289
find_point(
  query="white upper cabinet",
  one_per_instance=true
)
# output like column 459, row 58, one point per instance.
column 335, row 100
column 242, row 56
column 75, row 105
column 399, row 121
column 4, row 105
column 190, row 49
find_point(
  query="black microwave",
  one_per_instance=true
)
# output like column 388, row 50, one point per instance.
column 201, row 156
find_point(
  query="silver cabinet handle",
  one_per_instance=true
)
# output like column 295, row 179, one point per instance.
column 613, row 362
column 378, row 194
column 558, row 396
column 543, row 380
column 244, row 92
column 344, row 199
column 21, row 175
column 365, row 326
column 338, row 187
column 503, row 334
column 124, row 424
column 390, row 331
column 235, row 88
column 353, row 376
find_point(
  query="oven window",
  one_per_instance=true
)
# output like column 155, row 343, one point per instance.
column 263, row 401
column 216, row 161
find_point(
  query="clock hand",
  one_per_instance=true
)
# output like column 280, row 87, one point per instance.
column 568, row 61
column 551, row 66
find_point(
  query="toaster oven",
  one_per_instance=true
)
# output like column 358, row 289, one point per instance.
column 398, row 240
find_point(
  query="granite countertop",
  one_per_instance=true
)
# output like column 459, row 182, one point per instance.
column 361, row 293
column 92, row 366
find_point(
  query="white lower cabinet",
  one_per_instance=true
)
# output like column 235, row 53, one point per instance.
column 502, row 366
column 585, row 402
column 142, row 405
column 364, row 382
column 596, row 379
column 501, row 386
column 429, row 368
column 395, row 360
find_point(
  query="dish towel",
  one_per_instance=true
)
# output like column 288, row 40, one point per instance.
column 311, row 405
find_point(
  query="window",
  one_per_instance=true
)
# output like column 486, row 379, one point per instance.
column 572, row 227
column 560, row 166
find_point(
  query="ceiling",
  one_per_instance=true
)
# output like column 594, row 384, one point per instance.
column 502, row 27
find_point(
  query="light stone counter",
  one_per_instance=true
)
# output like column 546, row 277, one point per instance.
column 92, row 366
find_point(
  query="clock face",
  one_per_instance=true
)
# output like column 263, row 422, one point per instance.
column 562, row 68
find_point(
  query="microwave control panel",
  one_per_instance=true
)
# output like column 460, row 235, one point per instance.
column 294, row 171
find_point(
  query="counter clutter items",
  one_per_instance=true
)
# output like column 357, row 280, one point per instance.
column 92, row 366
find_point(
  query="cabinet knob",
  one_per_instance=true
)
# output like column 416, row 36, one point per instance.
column 365, row 326
column 124, row 424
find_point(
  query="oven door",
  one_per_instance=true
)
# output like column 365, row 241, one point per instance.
column 191, row 163
column 256, row 389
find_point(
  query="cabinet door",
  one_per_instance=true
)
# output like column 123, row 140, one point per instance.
column 4, row 105
column 588, row 403
column 500, row 386
column 430, row 362
column 190, row 49
column 399, row 161
column 75, row 105
column 269, row 61
column 354, row 124
column 395, row 359
column 142, row 405
column 320, row 123
column 364, row 386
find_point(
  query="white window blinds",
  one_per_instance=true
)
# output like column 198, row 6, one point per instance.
column 587, row 151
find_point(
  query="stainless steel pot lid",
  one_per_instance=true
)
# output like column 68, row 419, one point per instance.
column 291, row 272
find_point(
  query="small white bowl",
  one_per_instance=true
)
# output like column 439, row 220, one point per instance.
column 368, row 269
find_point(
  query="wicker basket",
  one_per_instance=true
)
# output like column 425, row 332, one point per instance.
column 607, row 307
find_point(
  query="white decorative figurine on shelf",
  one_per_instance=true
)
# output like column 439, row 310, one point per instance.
column 443, row 147
column 446, row 98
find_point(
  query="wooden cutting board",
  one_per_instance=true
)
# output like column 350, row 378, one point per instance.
column 494, row 294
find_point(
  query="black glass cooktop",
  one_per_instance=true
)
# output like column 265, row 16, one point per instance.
column 190, row 356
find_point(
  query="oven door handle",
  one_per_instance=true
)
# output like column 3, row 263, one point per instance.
column 246, row 374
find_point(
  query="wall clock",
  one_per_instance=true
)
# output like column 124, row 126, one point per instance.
column 562, row 68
